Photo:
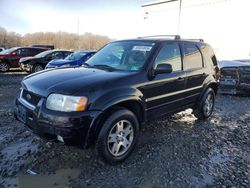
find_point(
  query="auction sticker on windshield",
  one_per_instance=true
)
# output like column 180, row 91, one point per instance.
column 142, row 48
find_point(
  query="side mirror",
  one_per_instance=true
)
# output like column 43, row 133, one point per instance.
column 13, row 53
column 163, row 68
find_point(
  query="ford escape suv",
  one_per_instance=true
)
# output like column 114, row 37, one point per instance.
column 105, row 102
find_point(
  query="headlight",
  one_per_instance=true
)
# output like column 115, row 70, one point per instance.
column 66, row 65
column 66, row 103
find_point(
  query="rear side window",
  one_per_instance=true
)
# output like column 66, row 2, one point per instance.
column 23, row 51
column 170, row 54
column 192, row 57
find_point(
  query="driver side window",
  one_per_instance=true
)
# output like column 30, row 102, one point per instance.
column 170, row 54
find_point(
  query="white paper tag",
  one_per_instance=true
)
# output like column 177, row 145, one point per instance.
column 142, row 48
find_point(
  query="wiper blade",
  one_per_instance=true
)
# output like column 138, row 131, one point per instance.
column 101, row 66
column 86, row 65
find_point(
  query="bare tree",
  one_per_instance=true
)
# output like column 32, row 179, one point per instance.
column 63, row 40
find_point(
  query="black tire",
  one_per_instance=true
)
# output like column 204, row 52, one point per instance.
column 4, row 67
column 103, row 147
column 202, row 112
column 36, row 68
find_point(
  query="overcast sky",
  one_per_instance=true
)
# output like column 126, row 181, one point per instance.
column 223, row 23
column 106, row 17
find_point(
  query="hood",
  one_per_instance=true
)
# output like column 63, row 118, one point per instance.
column 223, row 64
column 59, row 62
column 70, row 80
column 26, row 59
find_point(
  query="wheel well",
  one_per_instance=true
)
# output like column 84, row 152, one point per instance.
column 214, row 86
column 131, row 105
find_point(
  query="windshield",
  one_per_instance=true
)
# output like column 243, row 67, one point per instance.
column 8, row 51
column 43, row 54
column 76, row 56
column 125, row 55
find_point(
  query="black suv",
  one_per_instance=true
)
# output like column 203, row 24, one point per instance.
column 39, row 62
column 127, row 83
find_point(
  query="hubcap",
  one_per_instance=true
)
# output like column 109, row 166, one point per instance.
column 120, row 138
column 208, row 104
column 38, row 68
column 3, row 67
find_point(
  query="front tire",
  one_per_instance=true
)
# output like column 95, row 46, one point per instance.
column 118, row 136
column 206, row 105
column 4, row 67
column 36, row 68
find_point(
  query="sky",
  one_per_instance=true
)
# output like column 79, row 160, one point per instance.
column 222, row 23
column 113, row 18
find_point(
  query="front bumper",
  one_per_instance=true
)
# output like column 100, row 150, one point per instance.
column 71, row 126
column 25, row 67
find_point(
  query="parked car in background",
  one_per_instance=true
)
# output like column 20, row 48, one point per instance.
column 75, row 59
column 49, row 46
column 235, row 77
column 1, row 49
column 10, row 58
column 107, row 101
column 39, row 62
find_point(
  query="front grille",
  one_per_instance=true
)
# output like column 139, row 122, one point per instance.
column 30, row 97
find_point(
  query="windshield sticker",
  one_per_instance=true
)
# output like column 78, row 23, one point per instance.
column 142, row 48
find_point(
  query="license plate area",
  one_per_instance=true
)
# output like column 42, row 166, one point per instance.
column 21, row 113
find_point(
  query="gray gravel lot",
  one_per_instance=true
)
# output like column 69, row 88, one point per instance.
column 173, row 152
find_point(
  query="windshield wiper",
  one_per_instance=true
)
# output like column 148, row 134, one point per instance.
column 86, row 65
column 102, row 66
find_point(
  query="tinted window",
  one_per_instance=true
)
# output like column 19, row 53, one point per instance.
column 57, row 55
column 214, row 60
column 67, row 54
column 193, row 58
column 170, row 54
column 23, row 51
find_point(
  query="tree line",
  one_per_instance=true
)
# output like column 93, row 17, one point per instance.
column 62, row 40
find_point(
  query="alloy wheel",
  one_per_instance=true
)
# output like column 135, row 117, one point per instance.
column 4, row 67
column 120, row 138
column 208, row 104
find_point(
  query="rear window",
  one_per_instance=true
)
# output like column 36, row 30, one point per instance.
column 192, row 57
column 214, row 60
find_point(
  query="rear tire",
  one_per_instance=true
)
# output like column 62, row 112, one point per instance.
column 36, row 68
column 118, row 136
column 4, row 67
column 206, row 105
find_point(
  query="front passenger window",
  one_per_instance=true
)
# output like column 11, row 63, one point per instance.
column 170, row 54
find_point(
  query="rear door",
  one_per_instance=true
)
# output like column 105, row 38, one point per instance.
column 164, row 93
column 16, row 55
column 195, row 72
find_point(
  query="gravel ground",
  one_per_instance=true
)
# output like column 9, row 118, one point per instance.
column 174, row 152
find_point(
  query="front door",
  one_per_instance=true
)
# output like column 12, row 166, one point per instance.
column 164, row 93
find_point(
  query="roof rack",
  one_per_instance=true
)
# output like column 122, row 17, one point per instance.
column 199, row 40
column 176, row 37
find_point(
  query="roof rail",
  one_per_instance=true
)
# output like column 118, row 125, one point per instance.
column 199, row 40
column 176, row 37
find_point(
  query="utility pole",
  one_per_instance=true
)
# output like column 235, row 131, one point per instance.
column 78, row 23
column 78, row 34
column 164, row 2
column 179, row 21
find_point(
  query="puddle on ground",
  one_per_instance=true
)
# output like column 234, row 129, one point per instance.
column 61, row 178
column 19, row 149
